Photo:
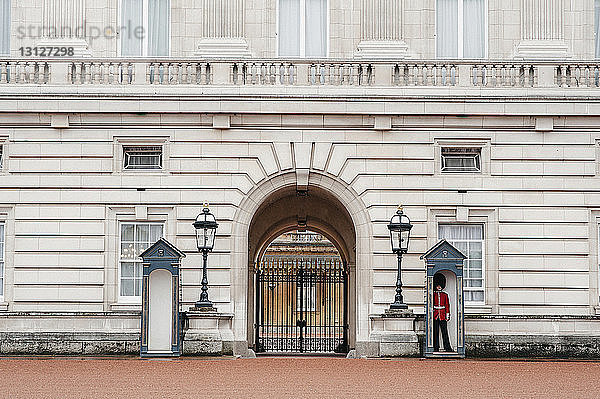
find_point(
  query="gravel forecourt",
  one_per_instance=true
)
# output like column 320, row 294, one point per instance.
column 295, row 377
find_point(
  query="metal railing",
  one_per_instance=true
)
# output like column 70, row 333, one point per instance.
column 278, row 72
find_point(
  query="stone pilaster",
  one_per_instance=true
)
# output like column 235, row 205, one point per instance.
column 381, row 30
column 223, row 32
column 64, row 25
column 542, row 30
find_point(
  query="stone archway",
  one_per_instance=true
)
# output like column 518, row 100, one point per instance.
column 274, row 207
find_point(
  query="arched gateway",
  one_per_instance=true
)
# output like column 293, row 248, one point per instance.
column 301, row 295
column 329, row 208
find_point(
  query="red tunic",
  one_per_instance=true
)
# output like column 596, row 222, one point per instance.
column 441, row 306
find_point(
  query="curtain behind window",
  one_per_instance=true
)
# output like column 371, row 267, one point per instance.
column 289, row 28
column 459, row 232
column 4, row 27
column 597, row 26
column 447, row 28
column 474, row 29
column 316, row 28
column 158, row 27
column 132, row 40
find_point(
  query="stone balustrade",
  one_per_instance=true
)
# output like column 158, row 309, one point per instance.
column 439, row 73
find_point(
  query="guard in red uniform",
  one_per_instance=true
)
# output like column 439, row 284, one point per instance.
column 441, row 315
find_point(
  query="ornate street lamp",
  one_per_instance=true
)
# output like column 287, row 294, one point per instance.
column 206, row 228
column 399, row 227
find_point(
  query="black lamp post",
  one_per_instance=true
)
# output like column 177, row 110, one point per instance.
column 206, row 228
column 399, row 227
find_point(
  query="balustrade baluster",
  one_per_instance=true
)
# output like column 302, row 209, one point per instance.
column 347, row 74
column 353, row 71
column 101, row 73
column 420, row 76
column 563, row 75
column 474, row 74
column 523, row 75
column 22, row 72
column 284, row 74
column 435, row 75
column 87, row 73
column 585, row 75
column 576, row 75
column 407, row 75
column 320, row 74
column 183, row 76
column 14, row 72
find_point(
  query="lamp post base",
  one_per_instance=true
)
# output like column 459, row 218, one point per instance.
column 204, row 307
column 398, row 306
column 398, row 313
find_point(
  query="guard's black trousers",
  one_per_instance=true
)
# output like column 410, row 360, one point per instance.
column 443, row 325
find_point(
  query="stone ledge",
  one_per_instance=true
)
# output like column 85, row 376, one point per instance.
column 532, row 346
column 15, row 343
column 70, row 314
column 532, row 317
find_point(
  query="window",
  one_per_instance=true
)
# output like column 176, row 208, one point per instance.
column 4, row 27
column 142, row 157
column 145, row 28
column 306, row 298
column 1, row 261
column 461, row 28
column 597, row 26
column 135, row 239
column 469, row 240
column 303, row 28
column 1, row 157
column 461, row 159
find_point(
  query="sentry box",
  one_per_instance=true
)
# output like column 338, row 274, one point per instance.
column 160, row 324
column 444, row 269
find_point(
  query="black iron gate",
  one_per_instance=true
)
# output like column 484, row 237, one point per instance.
column 301, row 305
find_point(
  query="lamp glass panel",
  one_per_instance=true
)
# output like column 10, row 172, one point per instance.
column 404, row 237
column 395, row 240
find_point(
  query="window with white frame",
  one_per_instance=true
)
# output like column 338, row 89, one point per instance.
column 142, row 157
column 303, row 28
column 461, row 28
column 4, row 27
column 461, row 159
column 135, row 238
column 468, row 238
column 145, row 28
column 2, row 242
column 306, row 297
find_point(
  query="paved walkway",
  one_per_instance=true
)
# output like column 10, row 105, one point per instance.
column 295, row 378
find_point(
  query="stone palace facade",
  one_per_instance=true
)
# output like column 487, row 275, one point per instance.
column 480, row 117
